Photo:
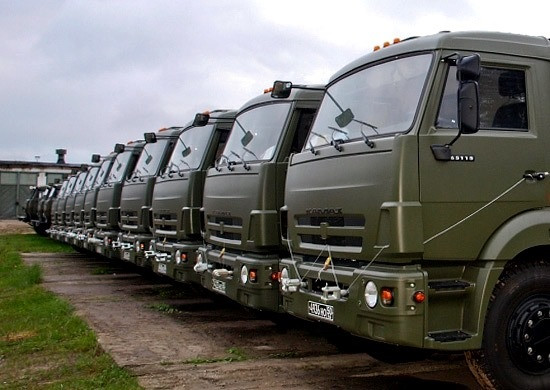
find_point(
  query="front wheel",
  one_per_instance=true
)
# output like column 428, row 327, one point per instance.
column 515, row 351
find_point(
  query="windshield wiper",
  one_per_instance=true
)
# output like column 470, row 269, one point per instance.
column 251, row 152
column 337, row 142
column 245, row 165
column 218, row 162
column 185, row 162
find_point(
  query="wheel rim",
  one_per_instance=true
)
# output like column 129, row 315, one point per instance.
column 529, row 335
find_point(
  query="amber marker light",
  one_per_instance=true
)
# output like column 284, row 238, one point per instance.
column 386, row 296
column 276, row 276
column 419, row 296
column 253, row 276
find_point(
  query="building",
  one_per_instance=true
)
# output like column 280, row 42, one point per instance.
column 16, row 178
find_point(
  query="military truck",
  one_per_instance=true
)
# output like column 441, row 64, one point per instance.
column 45, row 207
column 58, row 208
column 178, row 192
column 137, row 194
column 88, row 212
column 32, row 209
column 244, row 192
column 66, row 233
column 108, row 199
column 418, row 213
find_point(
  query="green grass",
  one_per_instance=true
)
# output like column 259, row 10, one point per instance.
column 43, row 344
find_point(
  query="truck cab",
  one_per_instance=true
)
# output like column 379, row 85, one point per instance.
column 57, row 231
column 418, row 212
column 108, row 199
column 244, row 192
column 137, row 194
column 178, row 193
column 68, row 233
column 88, row 211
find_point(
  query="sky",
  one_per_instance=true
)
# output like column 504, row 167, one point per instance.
column 83, row 75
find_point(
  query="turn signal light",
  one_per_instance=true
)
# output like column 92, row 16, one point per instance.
column 419, row 296
column 386, row 296
column 276, row 276
column 253, row 276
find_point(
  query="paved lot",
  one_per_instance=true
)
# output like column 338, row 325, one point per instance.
column 175, row 336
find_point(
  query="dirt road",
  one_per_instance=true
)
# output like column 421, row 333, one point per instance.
column 175, row 336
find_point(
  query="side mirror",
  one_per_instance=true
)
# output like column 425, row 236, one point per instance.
column 201, row 119
column 150, row 138
column 186, row 152
column 281, row 89
column 247, row 138
column 119, row 148
column 96, row 158
column 344, row 118
column 468, row 107
column 468, row 68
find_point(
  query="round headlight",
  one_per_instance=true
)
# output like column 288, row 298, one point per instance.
column 178, row 256
column 244, row 274
column 137, row 246
column 371, row 294
column 283, row 276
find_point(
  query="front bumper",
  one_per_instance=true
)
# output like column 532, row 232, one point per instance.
column 337, row 296
column 222, row 274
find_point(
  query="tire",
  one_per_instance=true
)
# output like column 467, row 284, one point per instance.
column 515, row 351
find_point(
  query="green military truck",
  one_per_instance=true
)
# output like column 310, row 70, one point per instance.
column 244, row 192
column 137, row 196
column 107, row 210
column 418, row 213
column 177, row 196
column 88, row 211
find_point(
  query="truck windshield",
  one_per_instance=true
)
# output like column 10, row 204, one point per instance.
column 255, row 133
column 378, row 100
column 150, row 158
column 103, row 170
column 191, row 145
column 90, row 178
column 80, row 180
column 119, row 167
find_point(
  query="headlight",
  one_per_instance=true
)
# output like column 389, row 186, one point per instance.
column 371, row 294
column 178, row 257
column 244, row 274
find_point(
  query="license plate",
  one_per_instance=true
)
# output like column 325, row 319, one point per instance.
column 320, row 310
column 99, row 250
column 162, row 268
column 126, row 255
column 218, row 285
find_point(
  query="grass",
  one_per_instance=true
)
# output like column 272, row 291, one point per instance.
column 43, row 344
column 233, row 355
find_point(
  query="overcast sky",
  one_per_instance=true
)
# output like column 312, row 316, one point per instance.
column 85, row 74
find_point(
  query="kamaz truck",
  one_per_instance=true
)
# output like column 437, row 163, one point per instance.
column 244, row 192
column 108, row 199
column 418, row 213
column 178, row 193
column 137, row 194
column 88, row 211
column 58, row 208
column 67, row 233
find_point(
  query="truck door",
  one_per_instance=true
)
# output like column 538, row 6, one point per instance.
column 483, row 166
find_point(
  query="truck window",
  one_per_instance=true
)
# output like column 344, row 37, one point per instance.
column 376, row 101
column 503, row 101
column 302, row 129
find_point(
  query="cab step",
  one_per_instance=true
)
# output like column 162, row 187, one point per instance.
column 448, row 336
column 440, row 285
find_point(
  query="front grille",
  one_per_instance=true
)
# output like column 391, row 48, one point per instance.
column 333, row 240
column 129, row 218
